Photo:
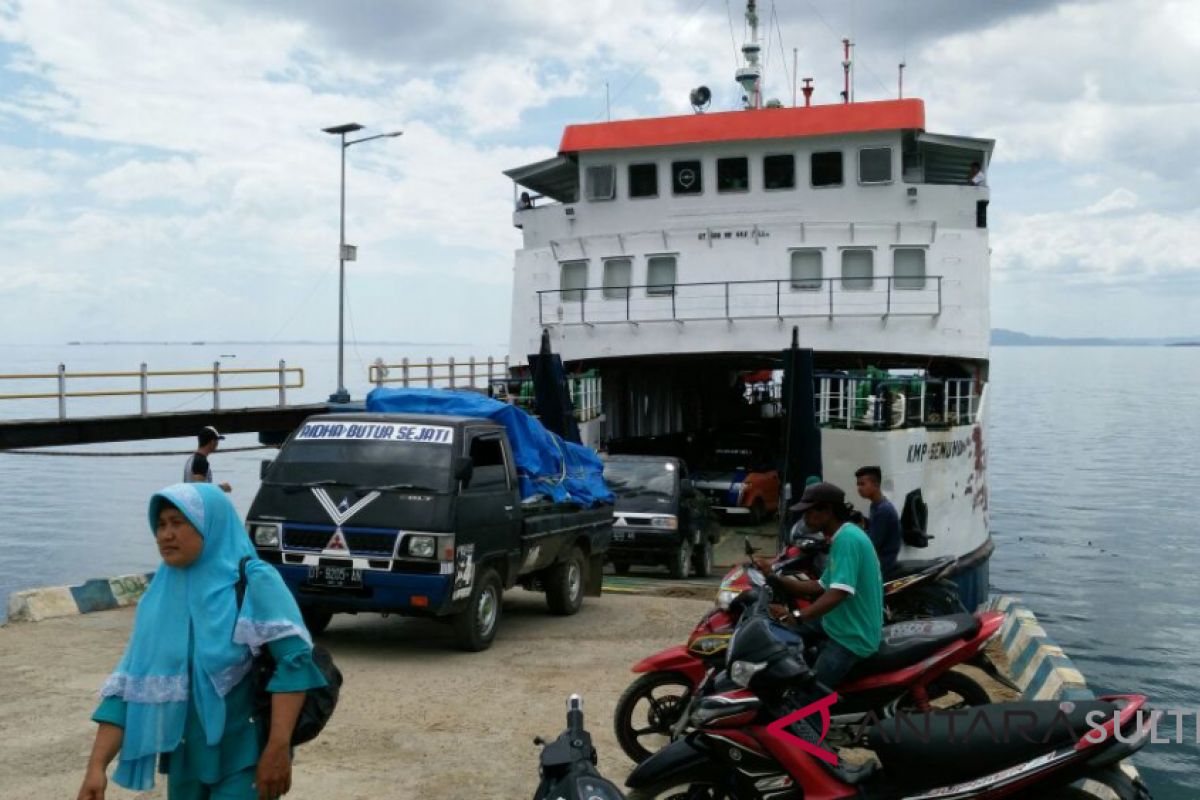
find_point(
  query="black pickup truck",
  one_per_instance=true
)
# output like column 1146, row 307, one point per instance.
column 659, row 517
column 418, row 515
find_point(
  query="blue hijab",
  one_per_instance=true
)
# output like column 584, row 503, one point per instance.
column 155, row 678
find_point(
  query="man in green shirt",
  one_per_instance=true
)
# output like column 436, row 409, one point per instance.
column 847, row 614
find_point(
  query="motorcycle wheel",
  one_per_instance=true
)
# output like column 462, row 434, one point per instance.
column 663, row 696
column 949, row 691
column 674, row 789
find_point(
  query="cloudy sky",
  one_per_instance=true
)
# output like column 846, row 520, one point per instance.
column 163, row 175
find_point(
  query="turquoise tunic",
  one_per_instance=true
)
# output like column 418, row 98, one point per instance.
column 194, row 760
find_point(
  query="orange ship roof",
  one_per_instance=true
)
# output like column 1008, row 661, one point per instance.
column 730, row 126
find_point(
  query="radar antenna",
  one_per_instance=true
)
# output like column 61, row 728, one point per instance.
column 750, row 76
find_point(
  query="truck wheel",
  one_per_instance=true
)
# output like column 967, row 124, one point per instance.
column 702, row 559
column 564, row 585
column 316, row 619
column 680, row 560
column 475, row 626
column 758, row 511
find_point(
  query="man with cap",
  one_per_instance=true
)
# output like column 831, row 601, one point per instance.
column 847, row 615
column 197, row 469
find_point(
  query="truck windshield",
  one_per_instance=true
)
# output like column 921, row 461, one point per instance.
column 640, row 478
column 368, row 463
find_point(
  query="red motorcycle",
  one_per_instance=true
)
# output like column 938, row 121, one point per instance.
column 911, row 670
column 761, row 739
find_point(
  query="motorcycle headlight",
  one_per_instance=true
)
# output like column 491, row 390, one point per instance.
column 422, row 546
column 264, row 535
column 670, row 523
column 725, row 597
column 709, row 645
column 596, row 788
column 742, row 672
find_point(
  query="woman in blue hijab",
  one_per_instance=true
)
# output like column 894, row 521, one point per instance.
column 182, row 695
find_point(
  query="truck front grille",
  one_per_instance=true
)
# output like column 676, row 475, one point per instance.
column 365, row 543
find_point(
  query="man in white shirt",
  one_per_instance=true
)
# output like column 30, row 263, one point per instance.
column 976, row 177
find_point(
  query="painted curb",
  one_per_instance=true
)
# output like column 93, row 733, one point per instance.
column 99, row 594
column 1042, row 669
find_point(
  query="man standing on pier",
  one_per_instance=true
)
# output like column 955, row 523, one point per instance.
column 883, row 526
column 197, row 469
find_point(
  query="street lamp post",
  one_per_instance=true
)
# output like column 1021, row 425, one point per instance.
column 341, row 395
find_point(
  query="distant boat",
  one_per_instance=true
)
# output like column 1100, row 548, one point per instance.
column 228, row 355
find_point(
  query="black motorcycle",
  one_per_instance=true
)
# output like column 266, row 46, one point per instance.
column 567, row 766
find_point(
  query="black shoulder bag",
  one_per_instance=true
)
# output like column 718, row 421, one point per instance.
column 318, row 703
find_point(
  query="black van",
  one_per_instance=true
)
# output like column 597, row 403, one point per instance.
column 419, row 515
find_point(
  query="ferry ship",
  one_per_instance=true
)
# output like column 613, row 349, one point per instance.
column 674, row 256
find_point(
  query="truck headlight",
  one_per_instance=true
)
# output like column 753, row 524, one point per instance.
column 264, row 535
column 670, row 523
column 422, row 546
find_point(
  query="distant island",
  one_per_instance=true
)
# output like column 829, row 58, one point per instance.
column 1002, row 337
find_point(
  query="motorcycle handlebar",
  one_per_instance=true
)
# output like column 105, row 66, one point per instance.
column 575, row 714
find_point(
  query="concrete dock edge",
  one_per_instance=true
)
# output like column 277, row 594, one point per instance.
column 99, row 594
column 1042, row 669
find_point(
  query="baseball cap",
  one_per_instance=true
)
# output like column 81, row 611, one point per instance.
column 208, row 433
column 817, row 493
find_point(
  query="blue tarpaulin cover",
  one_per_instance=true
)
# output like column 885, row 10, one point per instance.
column 546, row 465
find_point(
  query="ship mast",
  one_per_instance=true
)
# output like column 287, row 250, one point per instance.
column 750, row 75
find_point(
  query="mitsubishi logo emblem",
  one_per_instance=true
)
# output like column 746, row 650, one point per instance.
column 338, row 542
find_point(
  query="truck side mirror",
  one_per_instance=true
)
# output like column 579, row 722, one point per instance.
column 264, row 467
column 464, row 468
column 686, row 489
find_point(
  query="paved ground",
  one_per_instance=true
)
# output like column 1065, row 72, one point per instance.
column 417, row 719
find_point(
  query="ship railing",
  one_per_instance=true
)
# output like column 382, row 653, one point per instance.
column 873, row 403
column 585, row 389
column 468, row 373
column 70, row 384
column 878, row 296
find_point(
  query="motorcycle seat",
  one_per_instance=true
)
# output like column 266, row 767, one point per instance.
column 937, row 748
column 906, row 643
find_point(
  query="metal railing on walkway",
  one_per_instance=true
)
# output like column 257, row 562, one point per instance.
column 215, row 384
column 867, row 296
column 471, row 373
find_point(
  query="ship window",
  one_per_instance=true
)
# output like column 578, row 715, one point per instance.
column 643, row 180
column 908, row 267
column 733, row 174
column 685, row 177
column 573, row 280
column 779, row 172
column 618, row 273
column 858, row 269
column 806, row 270
column 827, row 168
column 875, row 165
column 660, row 275
column 600, row 182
